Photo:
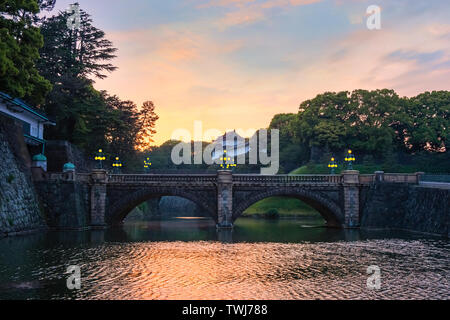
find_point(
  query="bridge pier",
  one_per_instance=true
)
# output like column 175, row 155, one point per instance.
column 224, row 199
column 351, row 198
column 99, row 179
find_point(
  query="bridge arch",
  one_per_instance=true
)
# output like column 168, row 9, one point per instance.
column 327, row 208
column 117, row 211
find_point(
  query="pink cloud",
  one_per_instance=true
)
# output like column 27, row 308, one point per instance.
column 251, row 11
column 187, row 72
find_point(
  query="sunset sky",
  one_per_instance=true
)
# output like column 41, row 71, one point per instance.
column 236, row 63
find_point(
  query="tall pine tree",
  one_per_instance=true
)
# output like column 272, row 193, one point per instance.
column 71, row 59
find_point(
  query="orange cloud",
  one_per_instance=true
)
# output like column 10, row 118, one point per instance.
column 188, row 72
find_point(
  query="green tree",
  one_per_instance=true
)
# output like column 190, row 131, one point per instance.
column 363, row 120
column 429, row 128
column 146, row 120
column 81, row 52
column 376, row 113
column 122, row 125
column 292, row 154
column 322, row 121
column 20, row 41
column 70, row 58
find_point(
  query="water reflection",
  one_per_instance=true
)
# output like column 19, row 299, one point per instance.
column 189, row 259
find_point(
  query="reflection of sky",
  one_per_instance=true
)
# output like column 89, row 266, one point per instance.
column 235, row 63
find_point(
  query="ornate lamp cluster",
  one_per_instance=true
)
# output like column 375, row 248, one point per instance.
column 333, row 165
column 147, row 165
column 117, row 165
column 349, row 159
column 100, row 157
column 226, row 161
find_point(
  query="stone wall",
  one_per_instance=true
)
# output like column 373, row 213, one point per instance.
column 406, row 207
column 65, row 203
column 19, row 209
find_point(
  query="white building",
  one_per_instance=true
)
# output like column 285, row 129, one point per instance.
column 233, row 143
column 33, row 121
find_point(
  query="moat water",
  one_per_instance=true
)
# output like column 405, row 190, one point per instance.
column 259, row 259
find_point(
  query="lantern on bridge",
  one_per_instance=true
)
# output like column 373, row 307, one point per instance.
column 100, row 157
column 332, row 165
column 147, row 165
column 117, row 165
column 350, row 158
column 227, row 163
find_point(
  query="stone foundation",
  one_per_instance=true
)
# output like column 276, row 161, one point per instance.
column 65, row 203
column 407, row 207
column 19, row 208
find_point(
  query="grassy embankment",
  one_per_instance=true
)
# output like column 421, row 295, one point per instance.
column 285, row 206
column 282, row 206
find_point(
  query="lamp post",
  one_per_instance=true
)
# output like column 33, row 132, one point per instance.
column 350, row 158
column 332, row 165
column 226, row 161
column 116, row 166
column 100, row 157
column 147, row 165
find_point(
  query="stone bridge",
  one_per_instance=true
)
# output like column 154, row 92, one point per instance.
column 224, row 195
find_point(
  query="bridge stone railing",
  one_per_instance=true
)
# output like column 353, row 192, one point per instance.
column 161, row 178
column 402, row 178
column 411, row 178
column 83, row 177
column 239, row 179
column 366, row 179
column 286, row 179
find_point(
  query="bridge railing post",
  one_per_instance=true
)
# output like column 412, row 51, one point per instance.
column 351, row 198
column 99, row 179
column 419, row 176
column 224, row 199
column 379, row 176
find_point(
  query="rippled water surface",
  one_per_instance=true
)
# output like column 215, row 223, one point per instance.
column 188, row 259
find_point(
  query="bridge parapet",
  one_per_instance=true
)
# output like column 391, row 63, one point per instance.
column 380, row 176
column 83, row 177
column 243, row 179
column 162, row 178
column 238, row 179
column 366, row 179
column 402, row 178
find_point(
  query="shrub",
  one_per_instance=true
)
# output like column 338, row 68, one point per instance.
column 272, row 214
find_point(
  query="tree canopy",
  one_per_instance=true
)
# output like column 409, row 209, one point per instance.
column 20, row 41
column 371, row 122
column 72, row 59
column 379, row 125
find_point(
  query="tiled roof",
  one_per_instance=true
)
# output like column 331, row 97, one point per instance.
column 20, row 103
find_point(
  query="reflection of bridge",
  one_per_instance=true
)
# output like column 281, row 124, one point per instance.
column 225, row 196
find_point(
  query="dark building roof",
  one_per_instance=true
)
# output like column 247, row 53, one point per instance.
column 22, row 104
